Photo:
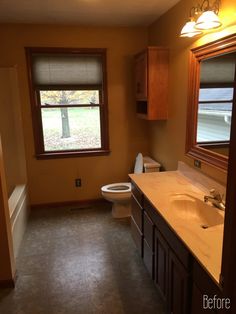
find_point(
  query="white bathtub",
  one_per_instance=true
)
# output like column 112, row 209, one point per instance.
column 18, row 206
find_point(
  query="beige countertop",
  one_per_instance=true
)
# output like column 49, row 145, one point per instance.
column 205, row 244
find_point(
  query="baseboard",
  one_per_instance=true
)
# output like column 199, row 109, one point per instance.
column 7, row 283
column 68, row 203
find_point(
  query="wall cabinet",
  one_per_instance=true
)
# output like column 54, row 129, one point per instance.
column 151, row 83
column 179, row 278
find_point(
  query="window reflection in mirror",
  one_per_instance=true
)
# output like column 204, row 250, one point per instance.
column 217, row 81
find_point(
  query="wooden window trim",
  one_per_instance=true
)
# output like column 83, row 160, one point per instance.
column 216, row 144
column 40, row 152
column 192, row 150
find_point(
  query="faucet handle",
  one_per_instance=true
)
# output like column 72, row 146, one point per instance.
column 213, row 192
column 216, row 194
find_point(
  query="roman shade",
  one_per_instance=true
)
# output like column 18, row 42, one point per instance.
column 67, row 69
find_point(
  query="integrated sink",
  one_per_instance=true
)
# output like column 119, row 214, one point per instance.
column 194, row 210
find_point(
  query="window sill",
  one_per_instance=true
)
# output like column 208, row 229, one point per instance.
column 54, row 155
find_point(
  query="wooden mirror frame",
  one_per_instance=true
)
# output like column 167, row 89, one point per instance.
column 213, row 49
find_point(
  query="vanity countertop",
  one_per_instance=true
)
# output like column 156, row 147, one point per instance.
column 205, row 244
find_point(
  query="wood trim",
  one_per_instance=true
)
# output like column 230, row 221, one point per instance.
column 68, row 203
column 214, row 144
column 72, row 154
column 215, row 101
column 40, row 152
column 47, row 106
column 228, row 274
column 59, row 50
column 225, row 45
column 68, row 87
column 216, row 85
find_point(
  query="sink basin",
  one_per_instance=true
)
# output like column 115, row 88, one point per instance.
column 193, row 210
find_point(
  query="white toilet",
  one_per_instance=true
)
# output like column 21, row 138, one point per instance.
column 120, row 193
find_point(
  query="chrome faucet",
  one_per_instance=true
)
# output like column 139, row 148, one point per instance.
column 215, row 198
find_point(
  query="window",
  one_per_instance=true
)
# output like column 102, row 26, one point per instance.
column 69, row 101
column 214, row 115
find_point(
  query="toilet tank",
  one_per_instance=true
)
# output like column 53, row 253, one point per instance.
column 150, row 165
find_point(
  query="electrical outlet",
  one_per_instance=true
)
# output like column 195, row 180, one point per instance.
column 197, row 163
column 78, row 182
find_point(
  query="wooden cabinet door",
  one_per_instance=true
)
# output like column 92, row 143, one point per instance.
column 161, row 264
column 148, row 258
column 141, row 76
column 137, row 237
column 137, row 213
column 178, row 287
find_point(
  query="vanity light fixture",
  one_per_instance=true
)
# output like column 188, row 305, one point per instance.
column 209, row 18
column 189, row 29
column 202, row 17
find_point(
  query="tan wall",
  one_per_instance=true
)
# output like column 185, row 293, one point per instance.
column 167, row 139
column 11, row 129
column 53, row 180
column 7, row 263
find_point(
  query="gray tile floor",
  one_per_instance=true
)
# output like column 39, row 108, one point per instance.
column 80, row 261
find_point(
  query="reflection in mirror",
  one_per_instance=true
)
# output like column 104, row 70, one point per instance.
column 217, row 77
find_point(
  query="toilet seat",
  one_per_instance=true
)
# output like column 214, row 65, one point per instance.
column 117, row 188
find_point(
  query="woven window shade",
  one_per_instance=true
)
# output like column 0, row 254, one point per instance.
column 67, row 69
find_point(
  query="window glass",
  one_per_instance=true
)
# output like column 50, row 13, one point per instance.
column 211, row 94
column 71, row 128
column 214, row 115
column 68, row 97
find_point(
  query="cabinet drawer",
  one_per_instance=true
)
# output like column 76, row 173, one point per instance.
column 148, row 230
column 148, row 258
column 137, row 236
column 175, row 243
column 137, row 194
column 136, row 213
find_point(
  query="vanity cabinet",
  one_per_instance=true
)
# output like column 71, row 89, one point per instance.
column 151, row 83
column 137, row 219
column 203, row 285
column 178, row 286
column 171, row 265
column 178, row 276
column 161, row 265
column 164, row 256
column 148, row 243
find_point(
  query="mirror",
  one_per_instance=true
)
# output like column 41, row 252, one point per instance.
column 212, row 92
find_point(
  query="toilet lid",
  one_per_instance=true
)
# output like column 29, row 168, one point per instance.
column 139, row 164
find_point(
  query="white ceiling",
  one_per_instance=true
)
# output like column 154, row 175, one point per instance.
column 84, row 12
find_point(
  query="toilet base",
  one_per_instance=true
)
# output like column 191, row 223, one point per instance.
column 120, row 210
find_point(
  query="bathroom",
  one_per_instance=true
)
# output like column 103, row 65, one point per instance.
column 50, row 183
